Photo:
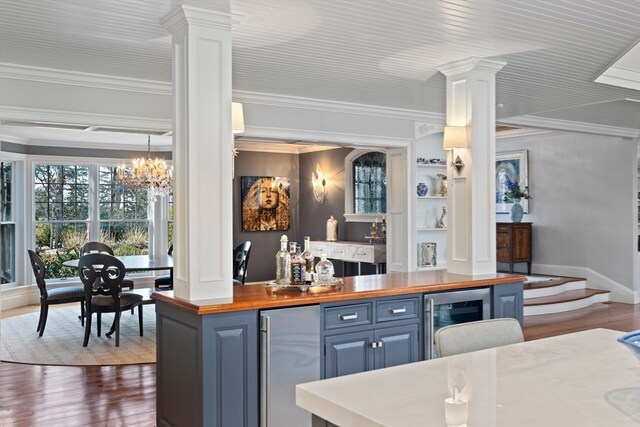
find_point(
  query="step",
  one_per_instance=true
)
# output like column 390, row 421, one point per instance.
column 555, row 286
column 564, row 301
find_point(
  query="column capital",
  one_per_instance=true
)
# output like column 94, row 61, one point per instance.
column 471, row 64
column 185, row 15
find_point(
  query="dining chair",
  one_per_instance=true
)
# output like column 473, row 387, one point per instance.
column 165, row 282
column 99, row 247
column 53, row 295
column 472, row 336
column 240, row 262
column 102, row 274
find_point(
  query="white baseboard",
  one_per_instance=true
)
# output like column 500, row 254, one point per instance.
column 19, row 297
column 595, row 280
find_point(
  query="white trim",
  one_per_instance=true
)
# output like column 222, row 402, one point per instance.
column 76, row 78
column 570, row 126
column 561, row 307
column 19, row 296
column 595, row 280
column 279, row 147
column 620, row 77
column 274, row 100
column 525, row 132
column 349, row 139
column 83, row 118
column 554, row 290
column 114, row 146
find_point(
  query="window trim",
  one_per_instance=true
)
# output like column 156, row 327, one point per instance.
column 349, row 214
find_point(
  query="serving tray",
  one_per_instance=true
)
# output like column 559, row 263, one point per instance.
column 271, row 284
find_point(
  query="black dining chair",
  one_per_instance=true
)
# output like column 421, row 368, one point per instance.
column 165, row 282
column 102, row 274
column 103, row 248
column 53, row 295
column 240, row 262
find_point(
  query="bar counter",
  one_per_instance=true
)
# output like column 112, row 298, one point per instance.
column 254, row 296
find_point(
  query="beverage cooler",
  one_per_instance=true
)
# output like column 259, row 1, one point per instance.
column 450, row 308
column 289, row 355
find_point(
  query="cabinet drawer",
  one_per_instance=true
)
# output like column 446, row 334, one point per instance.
column 348, row 315
column 397, row 309
column 317, row 249
column 361, row 254
column 337, row 252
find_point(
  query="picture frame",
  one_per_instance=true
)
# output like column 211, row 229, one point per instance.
column 265, row 203
column 513, row 166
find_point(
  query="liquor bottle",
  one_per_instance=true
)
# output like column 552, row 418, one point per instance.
column 283, row 263
column 297, row 266
column 308, row 258
column 324, row 270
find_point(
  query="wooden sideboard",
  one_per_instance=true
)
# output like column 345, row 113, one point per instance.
column 513, row 243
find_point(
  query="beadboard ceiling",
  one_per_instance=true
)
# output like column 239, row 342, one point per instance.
column 372, row 52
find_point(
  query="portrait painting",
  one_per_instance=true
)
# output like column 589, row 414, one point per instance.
column 511, row 168
column 265, row 203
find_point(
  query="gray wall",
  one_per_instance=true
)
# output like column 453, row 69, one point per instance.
column 265, row 244
column 583, row 205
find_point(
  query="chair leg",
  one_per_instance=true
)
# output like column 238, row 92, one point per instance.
column 81, row 313
column 87, row 328
column 42, row 304
column 44, row 318
column 140, row 318
column 117, row 323
column 99, row 321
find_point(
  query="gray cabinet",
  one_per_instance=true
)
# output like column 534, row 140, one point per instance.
column 506, row 301
column 370, row 335
column 221, row 348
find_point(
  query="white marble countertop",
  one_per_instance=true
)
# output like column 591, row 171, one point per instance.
column 579, row 379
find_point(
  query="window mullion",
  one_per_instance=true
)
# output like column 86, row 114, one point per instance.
column 94, row 203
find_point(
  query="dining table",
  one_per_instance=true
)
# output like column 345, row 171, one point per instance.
column 585, row 378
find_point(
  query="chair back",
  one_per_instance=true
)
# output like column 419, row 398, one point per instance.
column 170, row 251
column 95, row 247
column 101, row 274
column 472, row 336
column 38, row 270
column 241, row 261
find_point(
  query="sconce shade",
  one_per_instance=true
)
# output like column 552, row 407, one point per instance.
column 320, row 184
column 455, row 137
column 237, row 118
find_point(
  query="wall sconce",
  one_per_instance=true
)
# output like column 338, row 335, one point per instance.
column 455, row 137
column 237, row 118
column 320, row 184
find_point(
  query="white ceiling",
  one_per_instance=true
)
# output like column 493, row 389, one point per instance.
column 374, row 52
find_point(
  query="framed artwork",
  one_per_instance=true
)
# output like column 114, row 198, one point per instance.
column 265, row 203
column 511, row 167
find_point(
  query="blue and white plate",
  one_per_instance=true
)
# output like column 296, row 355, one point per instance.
column 632, row 341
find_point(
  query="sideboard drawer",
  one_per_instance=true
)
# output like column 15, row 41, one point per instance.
column 360, row 253
column 348, row 315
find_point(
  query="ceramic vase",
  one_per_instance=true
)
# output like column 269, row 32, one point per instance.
column 422, row 189
column 516, row 211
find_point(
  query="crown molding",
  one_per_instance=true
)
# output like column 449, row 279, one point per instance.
column 570, row 126
column 321, row 137
column 521, row 133
column 83, row 118
column 75, row 78
column 335, row 106
column 471, row 64
column 265, row 147
column 620, row 77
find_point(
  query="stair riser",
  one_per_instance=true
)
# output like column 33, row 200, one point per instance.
column 565, row 306
column 554, row 290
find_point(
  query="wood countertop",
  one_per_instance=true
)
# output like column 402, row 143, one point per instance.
column 255, row 296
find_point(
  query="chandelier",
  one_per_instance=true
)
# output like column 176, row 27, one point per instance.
column 148, row 174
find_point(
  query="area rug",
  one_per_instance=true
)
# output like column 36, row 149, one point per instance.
column 61, row 343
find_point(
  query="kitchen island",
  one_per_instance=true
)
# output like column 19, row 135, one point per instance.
column 579, row 379
column 214, row 363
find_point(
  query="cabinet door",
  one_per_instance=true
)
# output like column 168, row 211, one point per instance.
column 507, row 302
column 396, row 346
column 348, row 353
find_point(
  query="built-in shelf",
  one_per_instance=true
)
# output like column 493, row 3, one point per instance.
column 430, row 229
column 421, row 165
column 431, row 197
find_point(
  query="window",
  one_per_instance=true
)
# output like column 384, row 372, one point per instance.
column 124, row 223
column 68, row 213
column 7, row 224
column 365, row 185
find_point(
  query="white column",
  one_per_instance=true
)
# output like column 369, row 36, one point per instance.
column 202, row 156
column 471, row 238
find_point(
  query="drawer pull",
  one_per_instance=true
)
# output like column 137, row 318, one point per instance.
column 398, row 310
column 353, row 316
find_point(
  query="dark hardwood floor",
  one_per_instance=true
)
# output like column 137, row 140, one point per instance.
column 65, row 396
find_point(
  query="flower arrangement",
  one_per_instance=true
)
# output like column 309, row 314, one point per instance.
column 514, row 193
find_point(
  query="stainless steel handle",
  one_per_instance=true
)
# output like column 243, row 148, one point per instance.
column 398, row 310
column 353, row 316
column 374, row 344
column 428, row 340
column 266, row 330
